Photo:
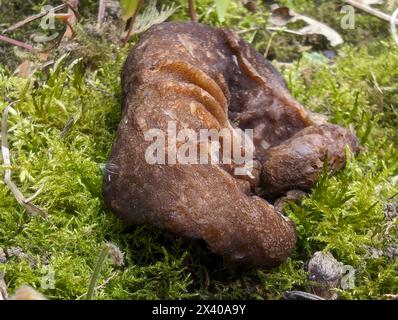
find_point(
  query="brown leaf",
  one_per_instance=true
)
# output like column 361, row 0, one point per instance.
column 282, row 16
column 71, row 20
column 24, row 70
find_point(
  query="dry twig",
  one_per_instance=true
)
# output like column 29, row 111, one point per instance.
column 19, row 44
column 101, row 13
column 301, row 295
column 192, row 11
column 101, row 286
column 370, row 10
column 34, row 17
column 393, row 22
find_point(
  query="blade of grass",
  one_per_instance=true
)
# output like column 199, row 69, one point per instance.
column 96, row 272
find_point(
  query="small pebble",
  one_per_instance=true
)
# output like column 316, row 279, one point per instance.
column 3, row 258
column 390, row 210
column 327, row 272
column 20, row 255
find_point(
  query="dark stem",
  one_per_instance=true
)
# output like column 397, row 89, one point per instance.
column 19, row 44
column 191, row 8
column 131, row 24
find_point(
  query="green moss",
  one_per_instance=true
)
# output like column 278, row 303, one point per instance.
column 343, row 214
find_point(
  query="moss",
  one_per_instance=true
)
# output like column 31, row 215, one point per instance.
column 343, row 214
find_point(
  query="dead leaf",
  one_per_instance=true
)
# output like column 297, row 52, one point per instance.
column 281, row 16
column 370, row 2
column 24, row 70
column 71, row 19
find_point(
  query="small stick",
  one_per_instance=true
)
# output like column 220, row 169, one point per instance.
column 131, row 24
column 73, row 5
column 286, row 30
column 67, row 127
column 33, row 196
column 269, row 44
column 101, row 13
column 247, row 30
column 297, row 295
column 192, row 11
column 394, row 26
column 97, row 88
column 393, row 196
column 370, row 10
column 30, row 207
column 19, row 44
column 101, row 286
column 33, row 18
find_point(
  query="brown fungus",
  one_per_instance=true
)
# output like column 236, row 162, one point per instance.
column 207, row 78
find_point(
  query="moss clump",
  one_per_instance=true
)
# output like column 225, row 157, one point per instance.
column 343, row 214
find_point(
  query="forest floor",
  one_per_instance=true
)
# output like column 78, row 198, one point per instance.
column 352, row 215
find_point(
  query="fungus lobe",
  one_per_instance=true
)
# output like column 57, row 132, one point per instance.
column 207, row 78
